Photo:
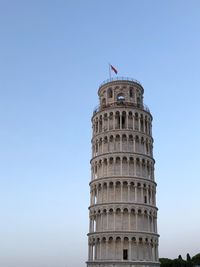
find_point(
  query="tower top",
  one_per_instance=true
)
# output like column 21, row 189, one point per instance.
column 120, row 91
column 117, row 80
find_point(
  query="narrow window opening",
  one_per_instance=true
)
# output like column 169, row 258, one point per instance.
column 125, row 254
column 138, row 101
column 131, row 92
column 145, row 199
column 103, row 102
column 123, row 121
column 118, row 122
column 110, row 94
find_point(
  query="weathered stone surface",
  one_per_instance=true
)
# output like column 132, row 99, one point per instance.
column 123, row 212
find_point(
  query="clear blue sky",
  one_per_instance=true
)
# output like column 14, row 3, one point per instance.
column 53, row 56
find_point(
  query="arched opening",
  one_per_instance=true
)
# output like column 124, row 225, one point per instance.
column 105, row 140
column 141, row 123
column 111, row 120
column 120, row 97
column 124, row 166
column 118, row 248
column 131, row 166
column 130, row 120
column 124, row 142
column 131, row 92
column 111, row 166
column 125, row 248
column 138, row 101
column 123, row 120
column 103, row 102
column 111, row 143
column 125, row 219
column 110, row 93
column 117, row 120
column 118, row 191
column 105, row 118
column 137, row 145
column 105, row 167
column 95, row 224
column 136, row 122
column 110, row 219
column 117, row 142
column 117, row 166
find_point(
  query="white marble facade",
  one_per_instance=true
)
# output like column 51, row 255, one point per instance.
column 123, row 212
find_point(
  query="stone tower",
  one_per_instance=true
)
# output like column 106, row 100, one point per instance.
column 123, row 212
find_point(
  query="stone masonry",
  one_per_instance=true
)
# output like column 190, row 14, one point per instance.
column 122, row 212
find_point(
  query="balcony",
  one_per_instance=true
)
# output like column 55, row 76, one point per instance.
column 121, row 104
column 119, row 79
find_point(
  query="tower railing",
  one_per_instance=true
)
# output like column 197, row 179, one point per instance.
column 121, row 104
column 119, row 79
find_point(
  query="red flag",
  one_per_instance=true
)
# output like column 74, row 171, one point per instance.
column 112, row 68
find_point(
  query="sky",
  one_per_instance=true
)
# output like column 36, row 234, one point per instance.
column 53, row 57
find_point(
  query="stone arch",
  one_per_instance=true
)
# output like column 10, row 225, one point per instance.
column 105, row 167
column 100, row 168
column 124, row 166
column 142, row 145
column 130, row 143
column 111, row 120
column 125, row 223
column 147, row 146
column 110, row 93
column 124, row 142
column 125, row 191
column 131, row 166
column 105, row 121
column 145, row 125
column 130, row 120
column 141, row 123
column 103, row 102
column 118, row 166
column 100, row 144
column 111, row 166
column 100, row 123
column 120, row 97
column 111, row 191
column 137, row 166
column 118, row 248
column 117, row 120
column 136, row 122
column 118, row 191
column 111, row 143
column 118, row 219
column 117, row 142
column 143, row 166
column 131, row 92
column 123, row 120
column 110, row 219
column 137, row 144
column 105, row 144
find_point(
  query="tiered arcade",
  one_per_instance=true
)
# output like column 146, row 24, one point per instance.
column 123, row 212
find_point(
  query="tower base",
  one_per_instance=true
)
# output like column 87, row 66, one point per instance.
column 122, row 264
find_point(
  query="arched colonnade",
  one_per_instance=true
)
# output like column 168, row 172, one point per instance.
column 132, row 165
column 119, row 218
column 122, row 191
column 121, row 119
column 141, row 248
column 122, row 143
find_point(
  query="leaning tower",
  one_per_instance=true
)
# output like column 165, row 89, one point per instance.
column 123, row 212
